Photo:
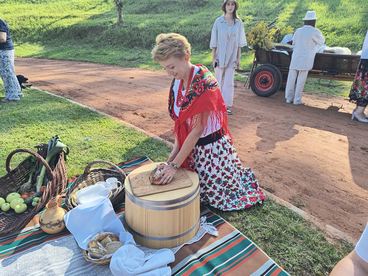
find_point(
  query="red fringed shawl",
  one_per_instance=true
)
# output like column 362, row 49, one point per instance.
column 204, row 96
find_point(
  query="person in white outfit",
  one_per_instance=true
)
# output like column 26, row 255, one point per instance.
column 227, row 39
column 356, row 263
column 359, row 89
column 306, row 42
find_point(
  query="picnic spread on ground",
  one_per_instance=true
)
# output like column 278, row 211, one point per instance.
column 163, row 232
column 144, row 218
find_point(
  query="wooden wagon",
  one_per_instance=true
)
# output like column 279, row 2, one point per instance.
column 270, row 68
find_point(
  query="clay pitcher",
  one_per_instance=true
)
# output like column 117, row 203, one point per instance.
column 52, row 219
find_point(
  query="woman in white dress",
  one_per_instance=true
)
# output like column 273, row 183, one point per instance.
column 227, row 39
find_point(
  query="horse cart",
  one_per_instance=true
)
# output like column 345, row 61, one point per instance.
column 270, row 68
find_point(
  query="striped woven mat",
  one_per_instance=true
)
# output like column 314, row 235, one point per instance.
column 231, row 253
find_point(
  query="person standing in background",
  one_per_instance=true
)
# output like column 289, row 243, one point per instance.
column 359, row 89
column 7, row 72
column 227, row 39
column 202, row 138
column 307, row 40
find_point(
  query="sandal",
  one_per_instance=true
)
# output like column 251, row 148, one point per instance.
column 229, row 112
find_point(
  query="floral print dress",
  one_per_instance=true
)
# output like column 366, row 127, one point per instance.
column 224, row 183
column 359, row 89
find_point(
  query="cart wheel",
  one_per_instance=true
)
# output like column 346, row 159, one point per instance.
column 265, row 80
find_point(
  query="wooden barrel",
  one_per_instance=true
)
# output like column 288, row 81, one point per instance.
column 166, row 219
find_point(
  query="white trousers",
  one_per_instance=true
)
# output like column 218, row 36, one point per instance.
column 225, row 78
column 295, row 85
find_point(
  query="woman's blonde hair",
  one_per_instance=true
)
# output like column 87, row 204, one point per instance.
column 170, row 45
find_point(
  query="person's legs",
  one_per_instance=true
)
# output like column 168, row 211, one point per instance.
column 219, row 74
column 228, row 87
column 300, row 82
column 358, row 112
column 7, row 72
column 290, row 86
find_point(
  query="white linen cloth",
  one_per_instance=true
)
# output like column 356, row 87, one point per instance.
column 143, row 261
column 87, row 220
column 129, row 260
column 307, row 40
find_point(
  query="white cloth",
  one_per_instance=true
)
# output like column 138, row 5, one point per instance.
column 210, row 128
column 176, row 89
column 361, row 247
column 129, row 260
column 225, row 78
column 307, row 40
column 364, row 54
column 287, row 38
column 87, row 220
column 227, row 39
column 295, row 85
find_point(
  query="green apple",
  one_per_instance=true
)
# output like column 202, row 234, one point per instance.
column 35, row 201
column 20, row 208
column 2, row 201
column 5, row 207
column 15, row 202
column 12, row 196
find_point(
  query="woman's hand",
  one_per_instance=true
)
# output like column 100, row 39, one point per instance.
column 167, row 174
column 237, row 64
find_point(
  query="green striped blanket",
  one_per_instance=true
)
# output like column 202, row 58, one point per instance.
column 231, row 253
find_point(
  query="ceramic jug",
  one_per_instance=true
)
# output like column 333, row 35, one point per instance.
column 52, row 219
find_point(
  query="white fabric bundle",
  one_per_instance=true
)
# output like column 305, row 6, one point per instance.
column 87, row 220
column 129, row 260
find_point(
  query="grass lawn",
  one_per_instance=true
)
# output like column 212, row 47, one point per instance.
column 86, row 30
column 283, row 235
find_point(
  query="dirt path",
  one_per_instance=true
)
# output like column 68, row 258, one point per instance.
column 313, row 156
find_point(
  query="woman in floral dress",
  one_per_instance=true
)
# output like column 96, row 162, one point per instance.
column 359, row 89
column 202, row 137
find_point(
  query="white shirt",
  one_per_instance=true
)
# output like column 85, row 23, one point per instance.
column 210, row 128
column 361, row 247
column 227, row 39
column 364, row 54
column 307, row 40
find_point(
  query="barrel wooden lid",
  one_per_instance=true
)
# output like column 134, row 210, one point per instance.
column 171, row 191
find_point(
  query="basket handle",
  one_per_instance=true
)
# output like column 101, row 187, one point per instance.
column 88, row 168
column 35, row 154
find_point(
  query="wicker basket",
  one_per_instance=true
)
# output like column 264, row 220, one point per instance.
column 11, row 222
column 95, row 261
column 102, row 261
column 91, row 177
